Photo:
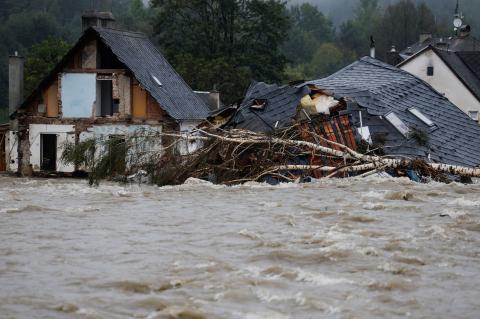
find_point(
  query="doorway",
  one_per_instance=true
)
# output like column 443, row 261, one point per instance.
column 48, row 152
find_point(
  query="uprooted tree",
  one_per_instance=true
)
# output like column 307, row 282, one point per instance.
column 235, row 156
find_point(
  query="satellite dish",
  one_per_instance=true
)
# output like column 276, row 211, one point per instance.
column 457, row 22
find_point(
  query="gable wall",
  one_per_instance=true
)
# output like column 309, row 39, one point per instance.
column 443, row 80
column 45, row 113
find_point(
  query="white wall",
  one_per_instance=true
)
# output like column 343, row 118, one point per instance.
column 443, row 80
column 147, row 143
column 65, row 133
column 191, row 146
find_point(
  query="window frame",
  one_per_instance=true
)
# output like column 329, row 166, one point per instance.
column 422, row 117
column 397, row 123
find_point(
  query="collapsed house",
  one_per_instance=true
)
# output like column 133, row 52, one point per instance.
column 368, row 102
column 111, row 84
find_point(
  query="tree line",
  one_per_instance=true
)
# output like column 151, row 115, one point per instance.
column 220, row 44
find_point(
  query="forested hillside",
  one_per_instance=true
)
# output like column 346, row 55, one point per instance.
column 26, row 23
column 229, row 43
column 342, row 10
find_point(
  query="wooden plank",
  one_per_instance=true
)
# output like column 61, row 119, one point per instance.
column 52, row 100
column 90, row 70
column 139, row 99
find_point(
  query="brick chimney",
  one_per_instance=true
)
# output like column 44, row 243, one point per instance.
column 97, row 19
column 16, row 65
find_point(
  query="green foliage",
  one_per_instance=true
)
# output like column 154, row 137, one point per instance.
column 29, row 22
column 100, row 158
column 397, row 24
column 310, row 32
column 41, row 59
column 420, row 136
column 223, row 40
column 326, row 60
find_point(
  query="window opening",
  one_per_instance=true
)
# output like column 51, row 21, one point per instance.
column 430, row 71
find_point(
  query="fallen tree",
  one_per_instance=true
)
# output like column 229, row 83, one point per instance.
column 237, row 156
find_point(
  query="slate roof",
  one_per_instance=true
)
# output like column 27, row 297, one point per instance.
column 466, row 65
column 468, row 43
column 471, row 60
column 281, row 107
column 379, row 88
column 139, row 55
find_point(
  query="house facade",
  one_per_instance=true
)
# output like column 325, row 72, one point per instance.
column 455, row 74
column 112, row 83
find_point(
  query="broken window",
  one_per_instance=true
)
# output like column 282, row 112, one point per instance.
column 259, row 104
column 430, row 71
column 78, row 94
column 397, row 123
column 108, row 105
column 422, row 117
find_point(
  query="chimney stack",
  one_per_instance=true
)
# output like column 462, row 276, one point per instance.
column 16, row 65
column 424, row 37
column 97, row 19
column 214, row 99
column 393, row 57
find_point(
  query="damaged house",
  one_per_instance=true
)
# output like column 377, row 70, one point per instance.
column 372, row 103
column 111, row 84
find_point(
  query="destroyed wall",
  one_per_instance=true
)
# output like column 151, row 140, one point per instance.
column 90, row 90
column 405, row 113
column 3, row 148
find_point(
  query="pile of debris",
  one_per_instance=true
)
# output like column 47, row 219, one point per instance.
column 237, row 156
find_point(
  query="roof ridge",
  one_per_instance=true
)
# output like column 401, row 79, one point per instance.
column 123, row 32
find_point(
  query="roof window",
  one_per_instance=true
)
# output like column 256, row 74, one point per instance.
column 422, row 117
column 397, row 123
column 156, row 80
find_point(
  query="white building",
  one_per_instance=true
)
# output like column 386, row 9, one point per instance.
column 454, row 74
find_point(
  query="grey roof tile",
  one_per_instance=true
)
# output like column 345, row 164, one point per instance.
column 139, row 55
column 381, row 88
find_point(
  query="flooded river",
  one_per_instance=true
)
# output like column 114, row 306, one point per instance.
column 332, row 249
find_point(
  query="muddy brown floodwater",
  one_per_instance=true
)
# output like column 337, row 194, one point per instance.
column 377, row 248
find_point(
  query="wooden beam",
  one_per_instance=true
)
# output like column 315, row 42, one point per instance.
column 121, row 71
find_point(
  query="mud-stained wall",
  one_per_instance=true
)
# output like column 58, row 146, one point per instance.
column 3, row 151
column 12, row 151
column 65, row 134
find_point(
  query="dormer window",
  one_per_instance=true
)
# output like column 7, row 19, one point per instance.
column 397, row 123
column 422, row 117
